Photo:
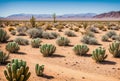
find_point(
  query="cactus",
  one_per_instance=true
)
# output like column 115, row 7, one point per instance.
column 62, row 41
column 39, row 69
column 12, row 47
column 17, row 70
column 80, row 49
column 114, row 49
column 47, row 49
column 3, row 57
column 54, row 18
column 99, row 54
column 3, row 35
column 32, row 21
column 35, row 43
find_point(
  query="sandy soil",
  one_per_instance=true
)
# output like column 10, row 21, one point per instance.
column 65, row 65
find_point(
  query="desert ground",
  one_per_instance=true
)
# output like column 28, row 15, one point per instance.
column 65, row 65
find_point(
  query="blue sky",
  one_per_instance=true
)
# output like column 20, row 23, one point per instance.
column 8, row 7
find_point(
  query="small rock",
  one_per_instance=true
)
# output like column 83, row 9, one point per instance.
column 113, row 68
column 118, row 68
column 83, row 77
column 66, row 63
column 98, row 67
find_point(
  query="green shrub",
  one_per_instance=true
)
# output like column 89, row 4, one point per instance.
column 114, row 49
column 55, row 34
column 63, row 41
column 21, row 31
column 3, row 35
column 39, row 69
column 116, row 37
column 47, row 50
column 21, row 41
column 80, row 49
column 34, row 33
column 111, row 33
column 35, row 43
column 70, row 33
column 17, row 70
column 89, row 40
column 3, row 57
column 12, row 47
column 105, row 38
column 99, row 54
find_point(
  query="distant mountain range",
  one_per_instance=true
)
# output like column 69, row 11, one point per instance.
column 113, row 14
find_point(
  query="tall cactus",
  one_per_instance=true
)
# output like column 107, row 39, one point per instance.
column 39, row 69
column 114, row 49
column 17, row 70
column 3, row 57
column 99, row 54
column 32, row 21
column 12, row 47
column 54, row 18
column 3, row 35
column 80, row 49
column 47, row 49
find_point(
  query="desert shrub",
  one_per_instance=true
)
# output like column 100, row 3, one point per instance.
column 116, row 37
column 12, row 47
column 39, row 69
column 55, row 34
column 21, row 41
column 47, row 35
column 111, row 33
column 47, row 49
column 3, row 57
column 90, row 34
column 35, row 32
column 3, row 35
column 59, row 27
column 105, row 38
column 76, row 29
column 114, row 49
column 35, row 43
column 11, row 29
column 63, row 41
column 94, row 29
column 13, row 32
column 17, row 70
column 99, row 54
column 89, row 40
column 70, row 33
column 80, row 49
column 21, row 31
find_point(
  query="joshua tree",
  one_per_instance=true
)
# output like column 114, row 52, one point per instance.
column 54, row 17
column 32, row 21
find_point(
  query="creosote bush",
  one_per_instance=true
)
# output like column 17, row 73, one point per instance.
column 70, row 33
column 3, row 35
column 21, row 41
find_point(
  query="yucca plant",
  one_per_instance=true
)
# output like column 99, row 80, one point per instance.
column 35, row 43
column 17, row 70
column 3, row 35
column 114, row 49
column 39, row 69
column 12, row 47
column 80, row 49
column 63, row 41
column 47, row 49
column 3, row 57
column 99, row 54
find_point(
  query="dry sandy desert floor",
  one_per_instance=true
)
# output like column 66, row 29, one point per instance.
column 64, row 65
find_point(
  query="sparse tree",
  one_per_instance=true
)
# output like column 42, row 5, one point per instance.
column 32, row 21
column 54, row 17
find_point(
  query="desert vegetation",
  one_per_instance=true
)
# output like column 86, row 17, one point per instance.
column 41, row 50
